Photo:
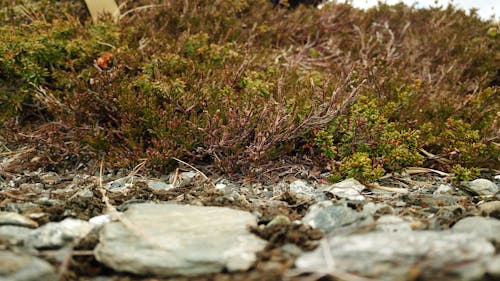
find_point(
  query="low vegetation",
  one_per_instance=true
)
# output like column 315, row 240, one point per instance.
column 240, row 83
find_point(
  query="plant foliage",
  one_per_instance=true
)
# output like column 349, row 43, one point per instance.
column 239, row 82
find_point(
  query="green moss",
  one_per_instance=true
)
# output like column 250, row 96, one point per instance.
column 48, row 55
column 460, row 173
column 367, row 144
column 361, row 167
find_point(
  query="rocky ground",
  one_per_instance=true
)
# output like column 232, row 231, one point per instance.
column 120, row 225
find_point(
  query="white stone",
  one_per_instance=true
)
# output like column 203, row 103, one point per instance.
column 443, row 189
column 349, row 189
column 100, row 220
column 350, row 183
column 121, row 185
column 300, row 186
column 57, row 234
column 220, row 186
column 307, row 191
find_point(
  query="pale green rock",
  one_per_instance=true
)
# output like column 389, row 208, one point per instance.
column 169, row 239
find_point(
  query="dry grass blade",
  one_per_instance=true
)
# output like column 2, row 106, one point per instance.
column 386, row 188
column 417, row 170
column 17, row 155
column 48, row 100
column 420, row 170
column 137, row 168
column 192, row 167
column 431, row 156
column 16, row 197
column 198, row 171
column 145, row 7
column 17, row 152
column 176, row 176
column 109, row 208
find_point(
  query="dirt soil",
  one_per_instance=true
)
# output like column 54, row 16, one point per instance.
column 56, row 196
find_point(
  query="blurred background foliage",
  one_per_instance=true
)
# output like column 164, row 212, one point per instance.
column 239, row 83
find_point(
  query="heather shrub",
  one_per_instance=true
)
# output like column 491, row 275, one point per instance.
column 240, row 83
column 18, row 12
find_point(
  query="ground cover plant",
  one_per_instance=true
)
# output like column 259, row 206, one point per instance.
column 240, row 83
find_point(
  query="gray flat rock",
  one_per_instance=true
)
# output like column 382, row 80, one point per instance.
column 482, row 187
column 378, row 209
column 328, row 217
column 488, row 228
column 168, row 239
column 20, row 267
column 12, row 218
column 393, row 256
column 391, row 223
column 160, row 185
column 14, row 234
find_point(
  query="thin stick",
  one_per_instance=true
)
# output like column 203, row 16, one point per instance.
column 386, row 188
column 106, row 44
column 73, row 253
column 23, row 151
column 175, row 177
column 109, row 208
column 191, row 166
column 140, row 9
column 194, row 168
column 137, row 169
column 418, row 170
